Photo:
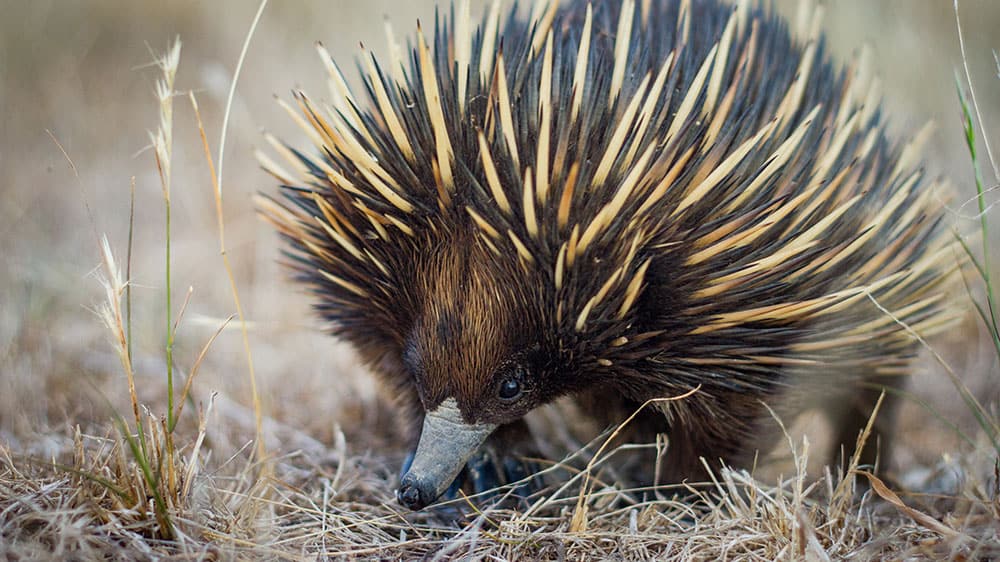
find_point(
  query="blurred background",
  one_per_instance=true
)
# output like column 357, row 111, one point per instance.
column 81, row 73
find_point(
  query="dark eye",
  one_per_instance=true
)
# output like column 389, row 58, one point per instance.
column 512, row 386
column 510, row 389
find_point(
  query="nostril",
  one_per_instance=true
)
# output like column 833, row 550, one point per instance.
column 409, row 495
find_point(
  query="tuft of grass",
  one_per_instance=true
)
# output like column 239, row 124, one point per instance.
column 161, row 473
column 152, row 446
column 145, row 472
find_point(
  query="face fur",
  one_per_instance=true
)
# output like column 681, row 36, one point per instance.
column 477, row 339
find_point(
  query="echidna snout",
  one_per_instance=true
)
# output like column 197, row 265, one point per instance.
column 446, row 444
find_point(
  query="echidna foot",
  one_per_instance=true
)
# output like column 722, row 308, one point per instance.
column 491, row 475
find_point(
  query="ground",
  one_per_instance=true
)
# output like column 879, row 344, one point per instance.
column 77, row 103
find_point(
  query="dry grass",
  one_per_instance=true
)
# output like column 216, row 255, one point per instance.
column 102, row 458
column 324, row 504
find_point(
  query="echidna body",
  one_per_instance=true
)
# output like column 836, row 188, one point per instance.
column 619, row 201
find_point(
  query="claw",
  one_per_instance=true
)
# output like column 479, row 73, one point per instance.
column 518, row 470
column 487, row 473
column 482, row 471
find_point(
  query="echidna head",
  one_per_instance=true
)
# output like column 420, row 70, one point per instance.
column 481, row 353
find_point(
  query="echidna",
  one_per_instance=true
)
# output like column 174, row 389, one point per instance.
column 616, row 201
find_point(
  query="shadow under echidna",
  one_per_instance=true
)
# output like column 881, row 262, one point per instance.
column 616, row 201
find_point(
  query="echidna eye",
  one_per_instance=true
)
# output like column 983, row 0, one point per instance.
column 510, row 389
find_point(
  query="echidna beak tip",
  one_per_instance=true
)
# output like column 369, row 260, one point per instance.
column 409, row 494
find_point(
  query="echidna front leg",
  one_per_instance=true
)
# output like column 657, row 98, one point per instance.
column 715, row 428
column 850, row 417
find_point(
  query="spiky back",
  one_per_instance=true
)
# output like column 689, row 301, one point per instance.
column 684, row 182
